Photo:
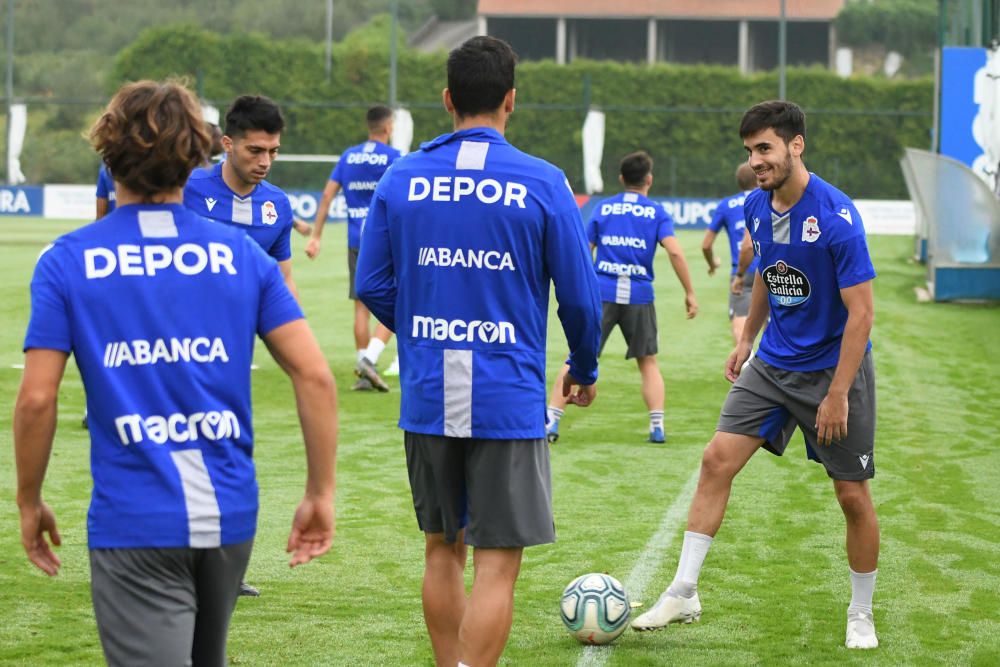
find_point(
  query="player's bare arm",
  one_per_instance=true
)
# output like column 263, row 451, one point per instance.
column 677, row 260
column 286, row 273
column 759, row 310
column 706, row 250
column 746, row 258
column 831, row 417
column 34, row 429
column 329, row 192
column 295, row 349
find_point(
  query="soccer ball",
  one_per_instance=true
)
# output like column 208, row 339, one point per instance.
column 595, row 608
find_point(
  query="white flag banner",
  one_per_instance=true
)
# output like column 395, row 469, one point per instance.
column 211, row 114
column 15, row 142
column 402, row 131
column 593, row 151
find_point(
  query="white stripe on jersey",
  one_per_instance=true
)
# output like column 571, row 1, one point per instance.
column 472, row 155
column 243, row 210
column 781, row 228
column 204, row 529
column 458, row 393
column 623, row 289
column 157, row 224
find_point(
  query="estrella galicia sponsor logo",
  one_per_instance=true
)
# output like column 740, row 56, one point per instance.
column 188, row 259
column 789, row 286
column 620, row 269
column 460, row 331
column 177, row 427
column 492, row 260
column 199, row 350
column 623, row 241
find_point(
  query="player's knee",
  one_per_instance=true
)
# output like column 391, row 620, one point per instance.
column 853, row 498
column 714, row 462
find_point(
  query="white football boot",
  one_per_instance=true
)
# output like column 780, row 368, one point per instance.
column 860, row 629
column 669, row 609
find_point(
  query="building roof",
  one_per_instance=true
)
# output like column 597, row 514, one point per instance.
column 817, row 10
column 435, row 35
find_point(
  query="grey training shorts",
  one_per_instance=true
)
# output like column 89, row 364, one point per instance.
column 166, row 606
column 352, row 267
column 739, row 304
column 500, row 491
column 638, row 324
column 769, row 402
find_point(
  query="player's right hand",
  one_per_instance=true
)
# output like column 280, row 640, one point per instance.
column 36, row 520
column 584, row 394
column 312, row 529
column 738, row 357
column 312, row 248
column 716, row 263
column 736, row 286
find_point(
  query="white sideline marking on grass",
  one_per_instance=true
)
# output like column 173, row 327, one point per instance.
column 18, row 366
column 648, row 563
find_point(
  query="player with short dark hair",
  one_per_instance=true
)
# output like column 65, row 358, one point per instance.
column 625, row 231
column 459, row 244
column 159, row 308
column 813, row 369
column 728, row 215
column 235, row 191
column 357, row 173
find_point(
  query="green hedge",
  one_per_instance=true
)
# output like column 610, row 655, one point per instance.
column 686, row 117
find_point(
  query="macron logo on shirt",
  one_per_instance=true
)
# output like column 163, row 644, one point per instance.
column 178, row 427
column 210, row 203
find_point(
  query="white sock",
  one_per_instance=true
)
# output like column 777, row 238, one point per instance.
column 361, row 354
column 655, row 419
column 552, row 416
column 375, row 347
column 462, row 664
column 862, row 589
column 693, row 552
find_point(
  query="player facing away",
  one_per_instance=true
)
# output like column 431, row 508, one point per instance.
column 625, row 230
column 234, row 191
column 469, row 305
column 813, row 369
column 105, row 194
column 729, row 216
column 357, row 173
column 160, row 309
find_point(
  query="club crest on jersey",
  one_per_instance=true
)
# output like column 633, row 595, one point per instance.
column 810, row 229
column 788, row 285
column 268, row 213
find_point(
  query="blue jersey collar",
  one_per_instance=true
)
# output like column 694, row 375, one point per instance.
column 470, row 134
column 217, row 173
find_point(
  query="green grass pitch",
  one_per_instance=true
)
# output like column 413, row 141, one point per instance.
column 774, row 588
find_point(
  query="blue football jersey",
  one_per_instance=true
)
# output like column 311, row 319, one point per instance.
column 807, row 255
column 358, row 171
column 627, row 229
column 160, row 308
column 461, row 241
column 265, row 214
column 106, row 187
column 729, row 215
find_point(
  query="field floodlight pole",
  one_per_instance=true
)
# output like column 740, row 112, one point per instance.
column 9, row 84
column 782, row 52
column 329, row 38
column 392, row 54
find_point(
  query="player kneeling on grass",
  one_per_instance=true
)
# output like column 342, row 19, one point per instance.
column 625, row 230
column 813, row 369
column 160, row 308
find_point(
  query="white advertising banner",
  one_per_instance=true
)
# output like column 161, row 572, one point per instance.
column 70, row 202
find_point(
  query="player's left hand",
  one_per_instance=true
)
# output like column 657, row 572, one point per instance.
column 831, row 419
column 691, row 305
column 584, row 394
column 716, row 263
column 312, row 529
column 36, row 520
